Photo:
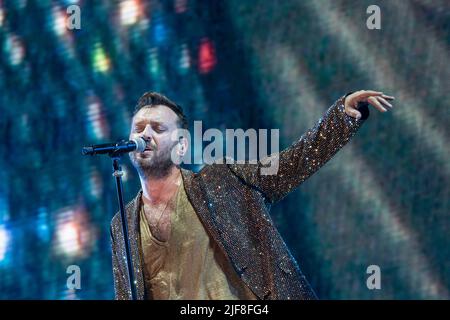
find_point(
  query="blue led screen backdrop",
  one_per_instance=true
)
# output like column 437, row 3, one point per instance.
column 383, row 200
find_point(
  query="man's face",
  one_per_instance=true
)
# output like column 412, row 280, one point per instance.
column 155, row 125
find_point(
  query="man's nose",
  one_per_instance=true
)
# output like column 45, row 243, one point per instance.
column 147, row 133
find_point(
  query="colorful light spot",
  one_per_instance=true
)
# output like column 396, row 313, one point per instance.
column 4, row 242
column 129, row 12
column 206, row 56
column 101, row 61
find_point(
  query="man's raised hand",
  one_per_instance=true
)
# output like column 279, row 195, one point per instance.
column 377, row 99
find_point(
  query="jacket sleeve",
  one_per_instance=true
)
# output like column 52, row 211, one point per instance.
column 303, row 158
column 120, row 279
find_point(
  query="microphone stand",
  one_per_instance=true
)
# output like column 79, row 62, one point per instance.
column 118, row 173
column 115, row 151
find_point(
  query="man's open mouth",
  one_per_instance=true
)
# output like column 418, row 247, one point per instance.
column 149, row 146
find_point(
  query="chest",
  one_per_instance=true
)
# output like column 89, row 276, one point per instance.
column 159, row 219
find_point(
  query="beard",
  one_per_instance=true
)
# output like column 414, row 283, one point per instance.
column 156, row 165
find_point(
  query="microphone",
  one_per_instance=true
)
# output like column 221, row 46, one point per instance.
column 117, row 148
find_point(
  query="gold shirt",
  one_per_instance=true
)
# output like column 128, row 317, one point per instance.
column 189, row 265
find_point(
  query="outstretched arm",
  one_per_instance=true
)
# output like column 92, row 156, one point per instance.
column 315, row 147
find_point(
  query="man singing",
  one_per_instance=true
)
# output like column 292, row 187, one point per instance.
column 209, row 235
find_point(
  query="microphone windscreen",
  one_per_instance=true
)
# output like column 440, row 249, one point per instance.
column 140, row 144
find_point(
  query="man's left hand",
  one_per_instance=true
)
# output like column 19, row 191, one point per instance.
column 377, row 99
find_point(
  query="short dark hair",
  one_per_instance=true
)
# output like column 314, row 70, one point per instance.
column 150, row 99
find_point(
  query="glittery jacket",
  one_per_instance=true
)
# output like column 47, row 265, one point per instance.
column 233, row 202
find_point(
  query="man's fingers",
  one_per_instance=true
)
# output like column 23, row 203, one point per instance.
column 373, row 101
column 354, row 113
column 376, row 98
column 388, row 97
column 368, row 93
column 383, row 101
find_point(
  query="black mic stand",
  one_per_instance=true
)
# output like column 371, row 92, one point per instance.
column 118, row 173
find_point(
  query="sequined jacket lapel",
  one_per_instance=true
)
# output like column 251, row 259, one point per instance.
column 233, row 203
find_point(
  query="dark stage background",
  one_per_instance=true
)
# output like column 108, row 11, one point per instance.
column 382, row 200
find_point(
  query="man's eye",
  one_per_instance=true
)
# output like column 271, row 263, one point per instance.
column 137, row 129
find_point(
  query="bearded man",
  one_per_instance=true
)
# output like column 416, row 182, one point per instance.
column 209, row 235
